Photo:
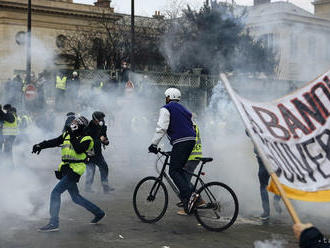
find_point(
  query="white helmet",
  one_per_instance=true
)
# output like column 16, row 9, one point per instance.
column 173, row 94
column 74, row 73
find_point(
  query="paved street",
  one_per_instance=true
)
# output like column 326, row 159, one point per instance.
column 121, row 228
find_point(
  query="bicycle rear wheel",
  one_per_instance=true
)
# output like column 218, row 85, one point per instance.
column 150, row 199
column 217, row 208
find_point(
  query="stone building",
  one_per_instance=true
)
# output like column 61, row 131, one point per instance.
column 300, row 39
column 50, row 21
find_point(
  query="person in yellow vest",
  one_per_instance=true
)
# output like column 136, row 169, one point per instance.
column 9, row 131
column 192, row 162
column 60, row 86
column 76, row 146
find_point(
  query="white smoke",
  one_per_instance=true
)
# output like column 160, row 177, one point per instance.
column 270, row 244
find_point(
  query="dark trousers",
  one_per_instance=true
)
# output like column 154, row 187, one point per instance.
column 263, row 180
column 190, row 167
column 67, row 183
column 8, row 142
column 98, row 161
column 179, row 156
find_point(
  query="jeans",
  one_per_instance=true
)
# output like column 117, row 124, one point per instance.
column 55, row 199
column 99, row 161
column 8, row 143
column 263, row 180
column 179, row 156
column 191, row 166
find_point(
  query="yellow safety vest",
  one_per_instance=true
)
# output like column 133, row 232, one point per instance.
column 76, row 161
column 61, row 83
column 23, row 85
column 25, row 118
column 10, row 128
column 197, row 150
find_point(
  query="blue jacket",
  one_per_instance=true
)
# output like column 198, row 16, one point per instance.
column 180, row 128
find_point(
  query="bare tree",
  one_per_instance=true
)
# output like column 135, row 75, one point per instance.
column 75, row 47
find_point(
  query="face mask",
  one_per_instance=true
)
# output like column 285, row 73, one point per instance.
column 5, row 111
column 74, row 127
column 101, row 123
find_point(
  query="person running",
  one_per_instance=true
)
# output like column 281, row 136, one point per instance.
column 75, row 147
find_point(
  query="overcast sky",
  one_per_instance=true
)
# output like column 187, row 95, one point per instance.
column 148, row 7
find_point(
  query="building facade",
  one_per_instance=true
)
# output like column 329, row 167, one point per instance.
column 299, row 38
column 51, row 20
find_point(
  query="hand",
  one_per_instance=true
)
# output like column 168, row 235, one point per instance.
column 153, row 148
column 299, row 228
column 36, row 149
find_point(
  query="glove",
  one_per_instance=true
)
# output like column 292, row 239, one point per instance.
column 36, row 149
column 153, row 148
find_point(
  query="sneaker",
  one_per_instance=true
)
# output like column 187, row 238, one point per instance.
column 97, row 219
column 277, row 206
column 49, row 228
column 182, row 213
column 107, row 189
column 200, row 203
column 263, row 217
column 191, row 204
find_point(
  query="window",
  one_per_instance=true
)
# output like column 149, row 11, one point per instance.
column 20, row 38
column 269, row 41
column 60, row 41
column 293, row 45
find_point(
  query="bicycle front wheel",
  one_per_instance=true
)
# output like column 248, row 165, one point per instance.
column 217, row 207
column 150, row 199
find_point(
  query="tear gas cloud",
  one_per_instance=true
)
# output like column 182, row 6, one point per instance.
column 131, row 118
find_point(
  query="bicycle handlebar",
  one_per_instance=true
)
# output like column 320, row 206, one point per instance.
column 167, row 154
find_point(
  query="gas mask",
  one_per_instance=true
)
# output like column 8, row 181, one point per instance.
column 74, row 127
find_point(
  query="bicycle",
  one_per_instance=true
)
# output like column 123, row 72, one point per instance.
column 216, row 208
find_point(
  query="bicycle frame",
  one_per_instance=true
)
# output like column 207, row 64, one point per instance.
column 163, row 174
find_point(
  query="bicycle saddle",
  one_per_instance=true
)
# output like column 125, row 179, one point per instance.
column 205, row 160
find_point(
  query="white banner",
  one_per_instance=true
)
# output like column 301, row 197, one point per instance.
column 294, row 134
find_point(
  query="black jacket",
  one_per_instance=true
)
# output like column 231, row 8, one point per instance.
column 96, row 132
column 9, row 117
column 313, row 238
column 75, row 141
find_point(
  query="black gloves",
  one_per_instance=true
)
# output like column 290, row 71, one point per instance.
column 36, row 149
column 153, row 148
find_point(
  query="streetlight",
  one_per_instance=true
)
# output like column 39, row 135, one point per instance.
column 28, row 45
column 132, row 36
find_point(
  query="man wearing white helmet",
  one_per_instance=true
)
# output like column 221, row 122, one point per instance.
column 175, row 121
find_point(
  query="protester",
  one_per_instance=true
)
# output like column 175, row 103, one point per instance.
column 176, row 121
column 98, row 131
column 9, row 131
column 264, row 177
column 75, row 147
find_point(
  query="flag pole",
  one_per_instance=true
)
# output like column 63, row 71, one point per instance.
column 262, row 155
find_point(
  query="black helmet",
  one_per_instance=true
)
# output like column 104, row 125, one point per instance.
column 82, row 121
column 7, row 107
column 98, row 115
